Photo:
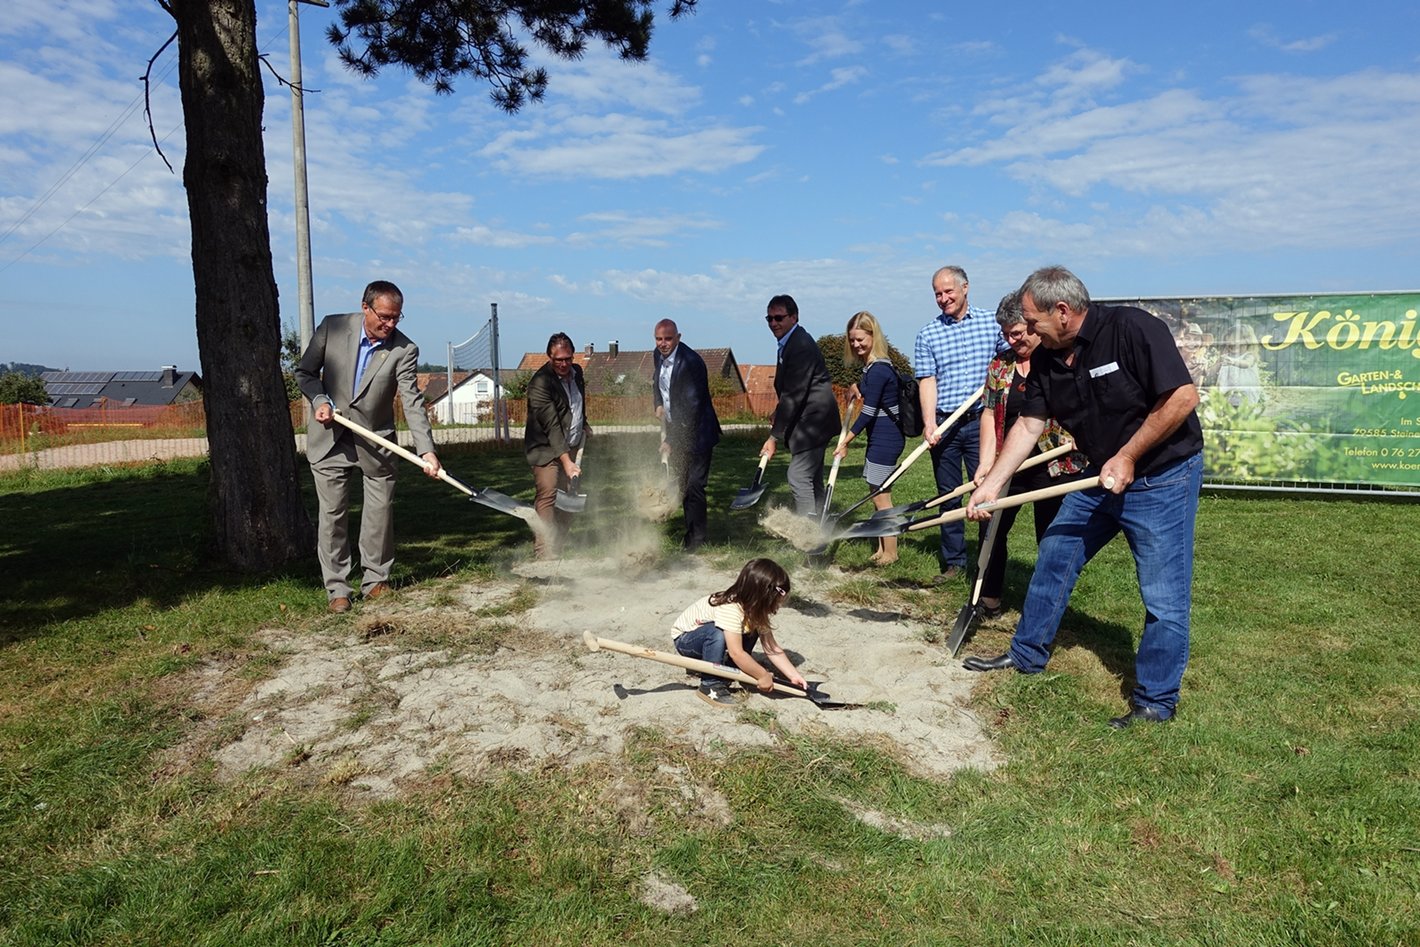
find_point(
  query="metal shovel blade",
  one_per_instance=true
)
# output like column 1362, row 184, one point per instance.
column 904, row 510
column 875, row 528
column 824, row 701
column 500, row 502
column 748, row 497
column 959, row 630
column 571, row 501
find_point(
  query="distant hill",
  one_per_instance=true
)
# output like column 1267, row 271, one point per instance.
column 25, row 368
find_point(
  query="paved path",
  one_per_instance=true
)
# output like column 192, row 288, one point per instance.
column 138, row 451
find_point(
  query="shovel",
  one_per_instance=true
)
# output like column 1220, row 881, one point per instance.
column 749, row 496
column 573, row 500
column 968, row 611
column 812, row 692
column 489, row 498
column 833, row 473
column 897, row 526
column 969, row 485
column 921, row 449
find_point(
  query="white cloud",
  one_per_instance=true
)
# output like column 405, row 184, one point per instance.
column 974, row 47
column 621, row 147
column 900, row 44
column 630, row 230
column 1082, row 75
column 1285, row 160
column 599, row 79
column 838, row 78
column 826, row 38
column 483, row 236
column 1267, row 36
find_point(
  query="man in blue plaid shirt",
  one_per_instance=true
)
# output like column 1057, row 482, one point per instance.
column 950, row 357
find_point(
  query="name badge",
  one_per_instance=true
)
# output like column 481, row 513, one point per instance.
column 1099, row 370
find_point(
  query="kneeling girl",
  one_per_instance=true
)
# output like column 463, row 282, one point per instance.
column 731, row 623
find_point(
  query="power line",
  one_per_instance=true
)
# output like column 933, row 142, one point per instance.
column 82, row 160
column 36, row 245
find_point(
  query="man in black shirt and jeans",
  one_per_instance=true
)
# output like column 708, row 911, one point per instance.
column 1113, row 377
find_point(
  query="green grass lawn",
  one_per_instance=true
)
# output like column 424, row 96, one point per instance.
column 1282, row 806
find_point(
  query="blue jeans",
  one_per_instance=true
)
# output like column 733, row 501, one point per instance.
column 1156, row 515
column 708, row 644
column 961, row 444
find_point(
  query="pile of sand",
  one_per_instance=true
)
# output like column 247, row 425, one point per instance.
column 379, row 696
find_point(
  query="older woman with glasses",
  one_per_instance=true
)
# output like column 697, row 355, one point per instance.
column 1006, row 375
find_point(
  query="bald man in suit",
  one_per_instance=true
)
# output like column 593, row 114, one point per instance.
column 356, row 364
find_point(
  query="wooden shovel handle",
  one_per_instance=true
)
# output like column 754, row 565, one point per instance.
column 922, row 448
column 679, row 660
column 394, row 448
column 842, row 439
column 1020, row 499
column 1033, row 461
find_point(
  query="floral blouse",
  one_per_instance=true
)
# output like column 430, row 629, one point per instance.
column 1000, row 380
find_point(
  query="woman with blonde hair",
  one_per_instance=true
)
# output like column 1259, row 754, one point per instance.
column 864, row 344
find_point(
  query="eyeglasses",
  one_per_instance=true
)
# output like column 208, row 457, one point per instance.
column 391, row 319
column 776, row 317
column 1017, row 335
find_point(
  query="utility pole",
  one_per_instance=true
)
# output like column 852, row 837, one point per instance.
column 298, row 158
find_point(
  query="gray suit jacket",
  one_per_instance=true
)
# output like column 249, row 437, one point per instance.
column 326, row 372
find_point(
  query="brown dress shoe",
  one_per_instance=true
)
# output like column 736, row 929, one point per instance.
column 339, row 604
column 378, row 589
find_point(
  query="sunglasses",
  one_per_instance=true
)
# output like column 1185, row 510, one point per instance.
column 776, row 318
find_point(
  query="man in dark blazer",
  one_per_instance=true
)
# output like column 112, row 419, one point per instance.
column 556, row 428
column 356, row 364
column 806, row 417
column 690, row 429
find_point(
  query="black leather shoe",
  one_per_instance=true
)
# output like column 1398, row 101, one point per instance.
column 1138, row 715
column 999, row 663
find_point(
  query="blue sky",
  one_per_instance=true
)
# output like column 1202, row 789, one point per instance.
column 836, row 151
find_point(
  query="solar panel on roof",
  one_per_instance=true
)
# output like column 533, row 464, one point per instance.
column 137, row 376
column 73, row 389
column 82, row 378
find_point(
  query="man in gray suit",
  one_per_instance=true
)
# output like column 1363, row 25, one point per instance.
column 356, row 363
column 806, row 417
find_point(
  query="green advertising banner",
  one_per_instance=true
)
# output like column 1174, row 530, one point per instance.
column 1304, row 390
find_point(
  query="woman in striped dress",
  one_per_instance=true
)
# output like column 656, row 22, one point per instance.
column 864, row 344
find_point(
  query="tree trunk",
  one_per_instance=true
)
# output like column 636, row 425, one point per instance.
column 254, row 496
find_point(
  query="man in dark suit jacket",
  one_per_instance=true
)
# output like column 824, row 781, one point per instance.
column 806, row 417
column 356, row 363
column 556, row 428
column 690, row 429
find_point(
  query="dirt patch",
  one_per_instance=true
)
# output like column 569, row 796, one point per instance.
column 496, row 674
column 894, row 825
column 662, row 894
